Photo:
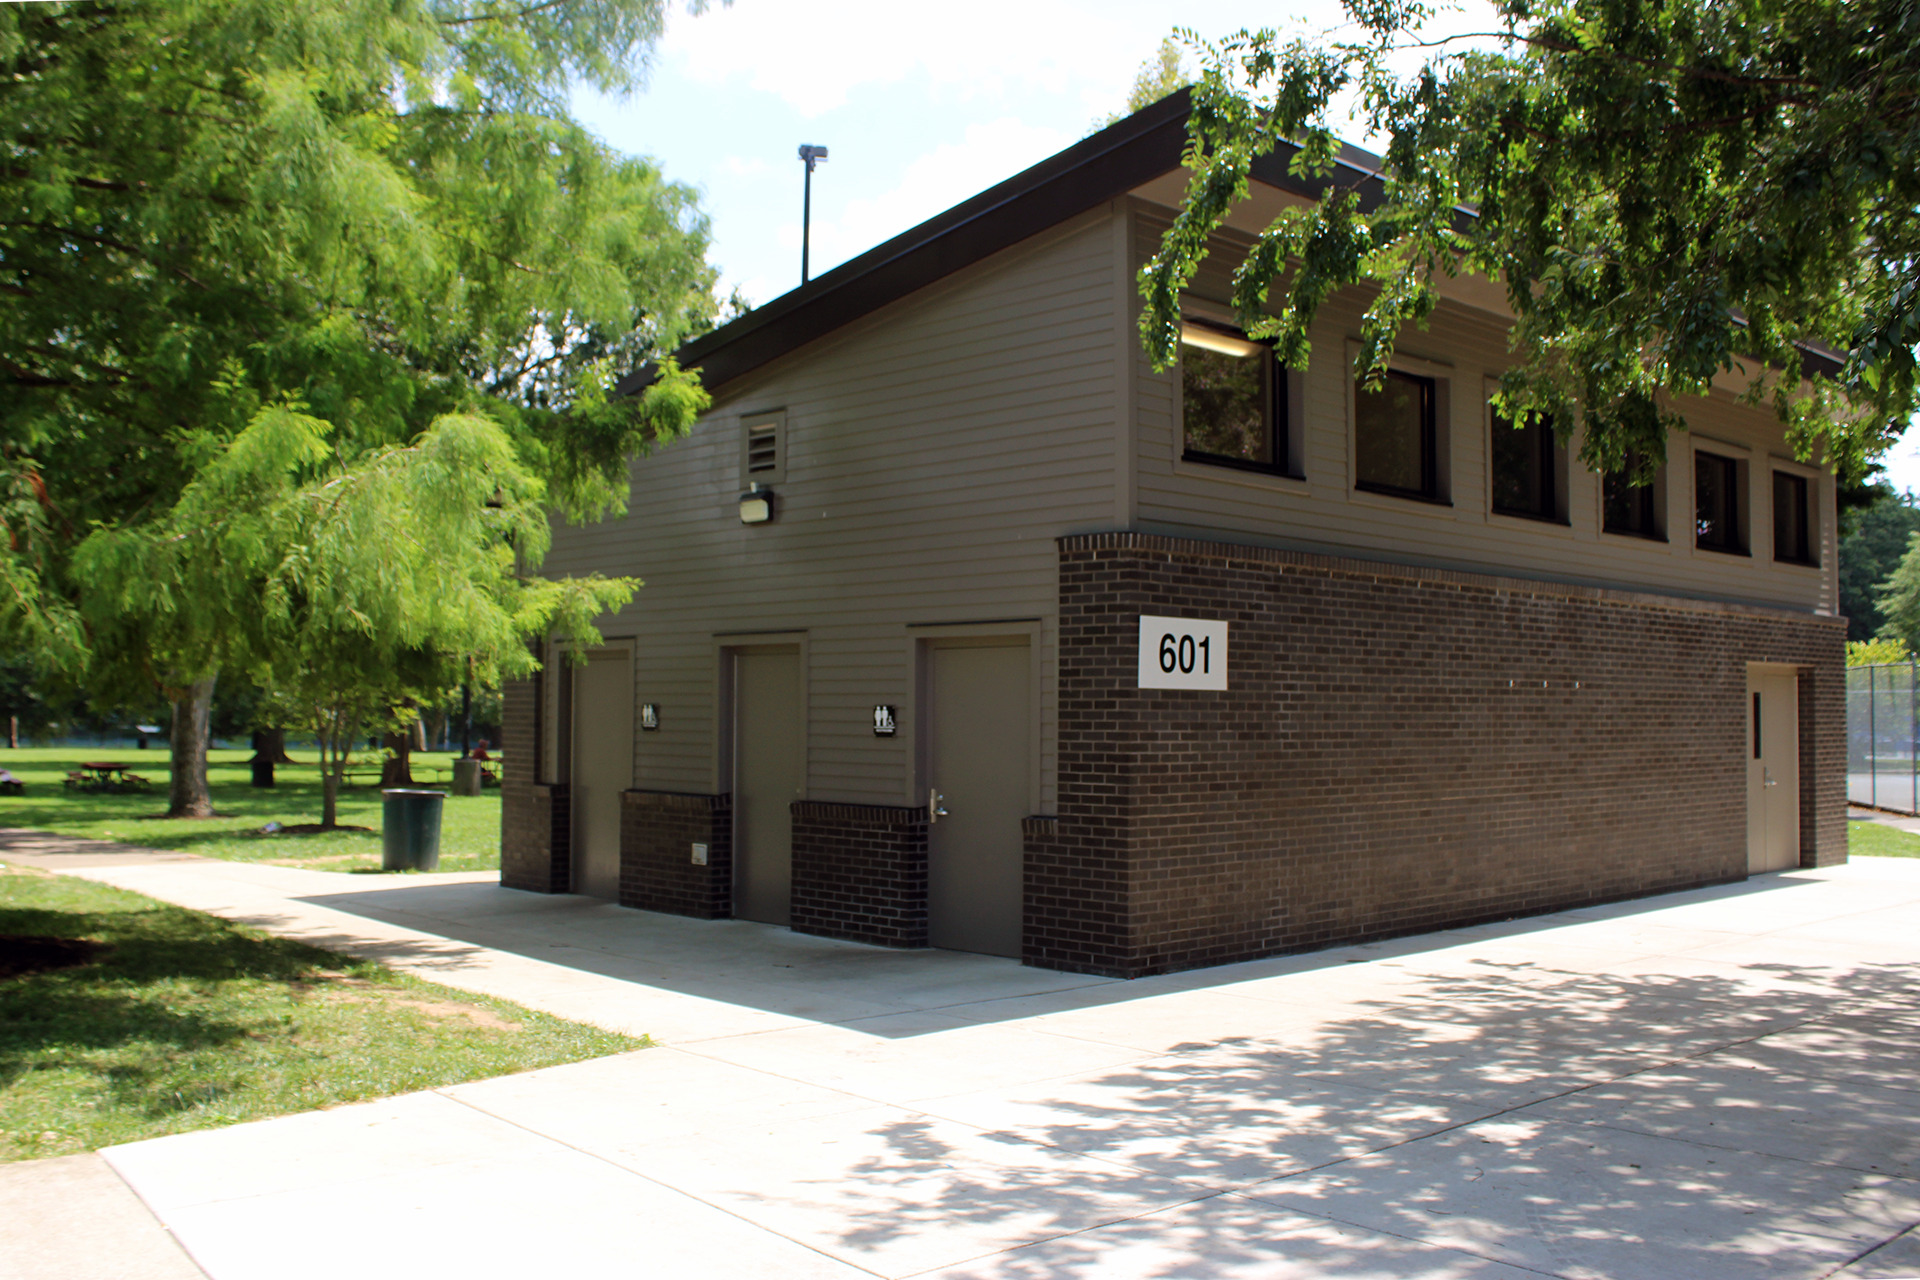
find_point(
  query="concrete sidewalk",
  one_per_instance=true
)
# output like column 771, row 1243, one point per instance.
column 1716, row 1083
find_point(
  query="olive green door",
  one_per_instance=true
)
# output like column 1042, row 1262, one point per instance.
column 602, row 767
column 980, row 770
column 769, row 774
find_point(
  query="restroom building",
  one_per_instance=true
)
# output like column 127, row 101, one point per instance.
column 964, row 627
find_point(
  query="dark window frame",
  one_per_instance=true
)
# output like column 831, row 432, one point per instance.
column 1731, row 543
column 1275, row 377
column 1548, row 463
column 1645, row 497
column 1429, row 443
column 1804, row 492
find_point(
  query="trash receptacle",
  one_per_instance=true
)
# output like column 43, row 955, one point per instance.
column 262, row 771
column 410, row 829
column 466, row 777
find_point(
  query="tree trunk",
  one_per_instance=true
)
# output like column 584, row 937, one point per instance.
column 397, row 769
column 271, row 745
column 187, row 794
column 330, row 799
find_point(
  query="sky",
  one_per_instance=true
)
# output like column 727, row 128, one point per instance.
column 919, row 105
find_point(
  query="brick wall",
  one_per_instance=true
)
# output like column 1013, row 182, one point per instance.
column 1399, row 750
column 860, row 872
column 658, row 830
column 534, row 851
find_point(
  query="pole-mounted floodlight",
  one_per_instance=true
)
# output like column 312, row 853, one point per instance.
column 812, row 155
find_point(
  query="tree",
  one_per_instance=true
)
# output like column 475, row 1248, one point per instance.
column 1163, row 74
column 367, row 582
column 1668, row 189
column 1868, row 557
column 377, row 210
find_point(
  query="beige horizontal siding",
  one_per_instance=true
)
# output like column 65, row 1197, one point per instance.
column 934, row 453
column 1330, row 517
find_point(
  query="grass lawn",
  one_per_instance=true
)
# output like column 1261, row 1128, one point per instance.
column 469, row 832
column 1871, row 840
column 185, row 1021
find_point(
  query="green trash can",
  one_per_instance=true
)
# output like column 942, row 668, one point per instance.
column 410, row 829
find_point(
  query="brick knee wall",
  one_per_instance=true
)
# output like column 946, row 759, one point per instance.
column 860, row 872
column 534, row 849
column 535, row 853
column 658, row 830
column 1399, row 750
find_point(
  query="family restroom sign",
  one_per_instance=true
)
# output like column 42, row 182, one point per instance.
column 1182, row 653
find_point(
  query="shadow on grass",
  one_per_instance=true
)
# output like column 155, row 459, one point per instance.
column 154, row 994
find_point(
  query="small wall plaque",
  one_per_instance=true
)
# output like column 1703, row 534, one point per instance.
column 1182, row 653
column 883, row 721
column 649, row 715
column 699, row 855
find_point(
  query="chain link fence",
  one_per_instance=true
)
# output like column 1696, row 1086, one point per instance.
column 1883, row 724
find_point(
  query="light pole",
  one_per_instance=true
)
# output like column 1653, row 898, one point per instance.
column 811, row 155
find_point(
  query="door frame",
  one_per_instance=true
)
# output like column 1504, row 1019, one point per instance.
column 562, row 651
column 1802, row 779
column 725, row 645
column 921, row 640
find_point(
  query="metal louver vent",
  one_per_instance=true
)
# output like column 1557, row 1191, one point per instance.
column 763, row 449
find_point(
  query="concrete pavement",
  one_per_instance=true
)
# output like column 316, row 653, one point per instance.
column 1715, row 1083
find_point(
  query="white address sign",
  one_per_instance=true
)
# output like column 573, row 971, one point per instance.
column 1182, row 653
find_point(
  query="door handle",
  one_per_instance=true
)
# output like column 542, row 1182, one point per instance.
column 936, row 806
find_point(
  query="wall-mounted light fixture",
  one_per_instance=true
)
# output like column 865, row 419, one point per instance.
column 649, row 715
column 756, row 506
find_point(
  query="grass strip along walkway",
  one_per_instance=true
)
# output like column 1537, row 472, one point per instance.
column 469, row 828
column 124, row 1018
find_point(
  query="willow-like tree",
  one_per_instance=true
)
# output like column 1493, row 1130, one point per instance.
column 365, row 582
column 1668, row 189
column 377, row 209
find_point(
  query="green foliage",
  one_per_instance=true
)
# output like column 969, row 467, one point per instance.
column 348, row 585
column 186, row 1022
column 1870, row 653
column 1868, row 556
column 1668, row 189
column 1163, row 74
column 377, row 210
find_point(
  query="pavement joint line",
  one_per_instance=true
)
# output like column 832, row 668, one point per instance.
column 679, row 1191
column 1873, row 1249
column 1744, row 1151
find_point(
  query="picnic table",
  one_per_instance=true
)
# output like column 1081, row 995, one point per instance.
column 105, row 775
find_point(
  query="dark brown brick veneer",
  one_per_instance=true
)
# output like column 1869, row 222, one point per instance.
column 860, row 872
column 658, row 830
column 534, row 816
column 1400, row 749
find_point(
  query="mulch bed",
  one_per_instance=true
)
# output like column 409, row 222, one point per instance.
column 313, row 829
column 21, row 955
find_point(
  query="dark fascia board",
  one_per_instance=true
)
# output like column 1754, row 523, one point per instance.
column 1112, row 162
column 1097, row 169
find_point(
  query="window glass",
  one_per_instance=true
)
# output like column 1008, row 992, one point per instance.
column 1523, row 468
column 1715, row 500
column 1627, row 507
column 1790, row 535
column 1393, row 436
column 1226, row 389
